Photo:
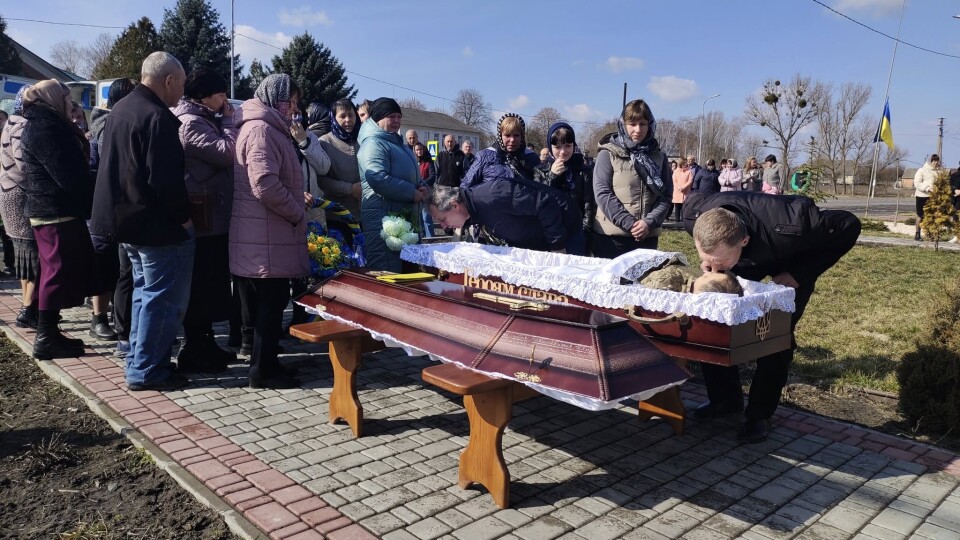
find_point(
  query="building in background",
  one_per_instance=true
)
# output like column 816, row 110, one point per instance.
column 432, row 127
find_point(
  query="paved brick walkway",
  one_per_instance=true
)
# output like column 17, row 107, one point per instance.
column 270, row 463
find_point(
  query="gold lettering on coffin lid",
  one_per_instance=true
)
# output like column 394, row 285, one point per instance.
column 471, row 279
column 763, row 326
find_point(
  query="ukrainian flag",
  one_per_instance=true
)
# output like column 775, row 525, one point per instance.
column 885, row 133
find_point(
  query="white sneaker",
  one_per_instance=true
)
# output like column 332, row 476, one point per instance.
column 954, row 240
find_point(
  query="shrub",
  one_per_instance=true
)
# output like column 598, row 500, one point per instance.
column 912, row 220
column 930, row 376
column 867, row 224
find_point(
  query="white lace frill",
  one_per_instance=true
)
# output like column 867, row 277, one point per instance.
column 597, row 281
column 578, row 400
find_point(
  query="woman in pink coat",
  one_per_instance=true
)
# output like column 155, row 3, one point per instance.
column 682, row 182
column 268, row 226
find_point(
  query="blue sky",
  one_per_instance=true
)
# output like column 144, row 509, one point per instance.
column 575, row 56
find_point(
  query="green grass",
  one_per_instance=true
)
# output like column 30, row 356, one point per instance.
column 866, row 314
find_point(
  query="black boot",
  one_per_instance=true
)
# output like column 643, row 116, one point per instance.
column 197, row 355
column 100, row 328
column 50, row 343
column 27, row 318
column 218, row 353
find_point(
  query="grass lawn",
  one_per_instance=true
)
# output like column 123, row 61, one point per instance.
column 866, row 312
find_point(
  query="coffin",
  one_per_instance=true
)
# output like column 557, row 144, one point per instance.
column 583, row 356
column 714, row 328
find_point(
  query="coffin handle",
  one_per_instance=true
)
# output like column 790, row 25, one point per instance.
column 678, row 317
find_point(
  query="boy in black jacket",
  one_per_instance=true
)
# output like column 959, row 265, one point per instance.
column 754, row 236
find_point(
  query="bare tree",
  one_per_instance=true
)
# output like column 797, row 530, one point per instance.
column 539, row 124
column 472, row 109
column 97, row 51
column 721, row 137
column 412, row 103
column 785, row 110
column 750, row 147
column 836, row 125
column 590, row 138
column 69, row 56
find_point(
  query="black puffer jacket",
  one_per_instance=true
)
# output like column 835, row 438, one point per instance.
column 706, row 181
column 57, row 175
column 580, row 193
column 450, row 167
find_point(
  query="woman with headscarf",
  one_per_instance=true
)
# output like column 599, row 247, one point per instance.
column 508, row 159
column 731, row 178
column 428, row 170
column 57, row 181
column 566, row 171
column 391, row 181
column 342, row 182
column 209, row 139
column 318, row 119
column 632, row 183
column 268, row 222
column 13, row 196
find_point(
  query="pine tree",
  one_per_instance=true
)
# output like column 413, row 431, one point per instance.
column 192, row 32
column 939, row 214
column 257, row 73
column 318, row 73
column 128, row 52
column 10, row 62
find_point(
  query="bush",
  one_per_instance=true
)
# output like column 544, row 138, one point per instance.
column 867, row 224
column 930, row 376
column 912, row 220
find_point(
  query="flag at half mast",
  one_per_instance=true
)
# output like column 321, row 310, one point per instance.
column 885, row 132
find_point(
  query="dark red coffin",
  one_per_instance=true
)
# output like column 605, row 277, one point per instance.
column 560, row 346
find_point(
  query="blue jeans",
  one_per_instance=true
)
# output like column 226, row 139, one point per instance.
column 161, row 290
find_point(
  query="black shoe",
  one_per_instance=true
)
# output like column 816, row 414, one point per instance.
column 175, row 381
column 48, row 347
column 100, row 328
column 710, row 410
column 278, row 382
column 221, row 355
column 917, row 237
column 289, row 371
column 71, row 342
column 246, row 349
column 27, row 318
column 754, row 431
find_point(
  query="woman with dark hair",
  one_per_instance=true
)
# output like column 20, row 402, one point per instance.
column 566, row 171
column 508, row 159
column 268, row 222
column 428, row 170
column 57, row 181
column 391, row 181
column 318, row 119
column 209, row 138
column 632, row 183
column 341, row 184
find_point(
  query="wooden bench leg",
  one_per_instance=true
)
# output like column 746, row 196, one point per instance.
column 666, row 405
column 344, row 403
column 482, row 461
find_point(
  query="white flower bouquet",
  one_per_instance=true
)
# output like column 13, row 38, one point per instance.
column 397, row 231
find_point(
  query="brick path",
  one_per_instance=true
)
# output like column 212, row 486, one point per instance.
column 270, row 463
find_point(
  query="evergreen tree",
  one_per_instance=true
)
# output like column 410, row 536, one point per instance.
column 192, row 32
column 939, row 213
column 10, row 62
column 128, row 51
column 318, row 73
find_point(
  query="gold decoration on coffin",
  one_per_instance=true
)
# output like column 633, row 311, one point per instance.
column 678, row 317
column 529, row 376
column 515, row 304
column 763, row 326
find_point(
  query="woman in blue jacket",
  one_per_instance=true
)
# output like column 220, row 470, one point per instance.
column 508, row 159
column 391, row 181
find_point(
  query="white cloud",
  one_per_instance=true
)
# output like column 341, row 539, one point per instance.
column 874, row 7
column 467, row 51
column 518, row 102
column 250, row 50
column 304, row 16
column 670, row 88
column 617, row 64
column 582, row 112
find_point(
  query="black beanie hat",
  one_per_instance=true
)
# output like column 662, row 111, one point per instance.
column 203, row 82
column 383, row 107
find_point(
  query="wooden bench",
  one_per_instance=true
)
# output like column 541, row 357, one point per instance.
column 489, row 404
column 346, row 345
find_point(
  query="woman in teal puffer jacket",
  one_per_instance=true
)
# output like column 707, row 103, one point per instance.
column 391, row 181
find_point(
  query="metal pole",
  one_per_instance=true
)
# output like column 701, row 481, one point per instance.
column 886, row 96
column 233, row 31
column 624, row 106
column 700, row 137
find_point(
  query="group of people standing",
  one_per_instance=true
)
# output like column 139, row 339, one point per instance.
column 689, row 177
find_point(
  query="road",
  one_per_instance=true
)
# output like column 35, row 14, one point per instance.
column 882, row 208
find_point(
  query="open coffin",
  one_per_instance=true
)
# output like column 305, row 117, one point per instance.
column 583, row 356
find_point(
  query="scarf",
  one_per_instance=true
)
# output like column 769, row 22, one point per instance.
column 50, row 92
column 639, row 154
column 18, row 102
column 514, row 159
column 274, row 92
column 339, row 132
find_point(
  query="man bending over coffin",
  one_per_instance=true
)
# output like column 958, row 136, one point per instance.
column 516, row 214
column 754, row 235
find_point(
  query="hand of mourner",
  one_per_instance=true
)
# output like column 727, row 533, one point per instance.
column 299, row 134
column 640, row 230
column 308, row 199
column 227, row 109
column 558, row 167
column 785, row 279
column 188, row 224
column 421, row 194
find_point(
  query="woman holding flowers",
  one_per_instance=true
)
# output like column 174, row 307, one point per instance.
column 391, row 181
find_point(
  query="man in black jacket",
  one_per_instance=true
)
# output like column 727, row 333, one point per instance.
column 754, row 236
column 449, row 164
column 517, row 214
column 141, row 201
column 468, row 157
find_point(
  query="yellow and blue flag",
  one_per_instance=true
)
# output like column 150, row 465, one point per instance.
column 885, row 133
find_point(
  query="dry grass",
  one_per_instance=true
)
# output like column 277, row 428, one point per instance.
column 866, row 313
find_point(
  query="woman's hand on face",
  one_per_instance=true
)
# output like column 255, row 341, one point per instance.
column 227, row 109
column 558, row 167
column 299, row 134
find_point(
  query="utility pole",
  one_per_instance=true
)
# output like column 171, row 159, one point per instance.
column 940, row 140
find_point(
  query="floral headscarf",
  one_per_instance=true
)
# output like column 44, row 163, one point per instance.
column 514, row 159
column 274, row 91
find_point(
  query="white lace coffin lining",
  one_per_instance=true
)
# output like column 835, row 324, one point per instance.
column 577, row 400
column 597, row 281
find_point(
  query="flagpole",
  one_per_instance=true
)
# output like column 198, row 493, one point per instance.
column 886, row 100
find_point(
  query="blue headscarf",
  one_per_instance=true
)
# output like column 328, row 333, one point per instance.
column 18, row 101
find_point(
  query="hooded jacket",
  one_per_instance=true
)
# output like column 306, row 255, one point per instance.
column 924, row 179
column 731, row 179
column 267, row 225
column 12, row 174
column 209, row 149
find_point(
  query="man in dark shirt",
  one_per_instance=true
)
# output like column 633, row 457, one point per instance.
column 449, row 164
column 468, row 157
column 141, row 201
column 754, row 236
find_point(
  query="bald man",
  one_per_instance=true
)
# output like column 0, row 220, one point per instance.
column 449, row 163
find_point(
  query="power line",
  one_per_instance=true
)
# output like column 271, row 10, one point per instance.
column 64, row 23
column 888, row 36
